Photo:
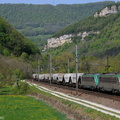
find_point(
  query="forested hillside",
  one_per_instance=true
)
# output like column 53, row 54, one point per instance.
column 12, row 42
column 39, row 22
column 106, row 42
column 17, row 55
column 98, row 52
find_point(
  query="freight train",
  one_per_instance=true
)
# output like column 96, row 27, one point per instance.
column 99, row 82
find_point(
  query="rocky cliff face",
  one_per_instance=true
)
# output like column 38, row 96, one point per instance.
column 56, row 42
column 107, row 11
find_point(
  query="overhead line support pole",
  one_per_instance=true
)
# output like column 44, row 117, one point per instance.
column 38, row 68
column 50, row 70
column 76, row 70
column 68, row 66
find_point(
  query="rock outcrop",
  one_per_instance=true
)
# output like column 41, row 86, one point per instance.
column 85, row 34
column 56, row 42
column 107, row 11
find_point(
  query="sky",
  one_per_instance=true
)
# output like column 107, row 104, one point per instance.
column 53, row 2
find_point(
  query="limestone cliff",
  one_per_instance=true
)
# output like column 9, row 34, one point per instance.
column 56, row 42
column 107, row 11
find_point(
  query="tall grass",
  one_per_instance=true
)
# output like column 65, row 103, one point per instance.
column 19, row 107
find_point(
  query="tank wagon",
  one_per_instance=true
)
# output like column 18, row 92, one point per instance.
column 41, row 77
column 79, row 77
column 68, row 79
column 61, row 78
column 47, row 77
column 58, row 78
column 109, row 82
column 55, row 78
column 35, row 76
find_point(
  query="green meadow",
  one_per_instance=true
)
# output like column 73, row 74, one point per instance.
column 18, row 107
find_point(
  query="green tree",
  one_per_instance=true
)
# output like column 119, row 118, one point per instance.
column 85, row 67
column 60, row 63
column 24, row 56
column 17, row 75
column 6, row 52
column 1, row 80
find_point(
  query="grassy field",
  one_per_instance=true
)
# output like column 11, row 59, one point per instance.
column 5, row 90
column 18, row 107
column 79, row 111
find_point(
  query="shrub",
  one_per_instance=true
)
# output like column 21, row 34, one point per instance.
column 1, row 80
column 21, row 89
column 6, row 52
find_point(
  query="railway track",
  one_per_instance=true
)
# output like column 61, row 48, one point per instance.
column 54, row 90
column 72, row 91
